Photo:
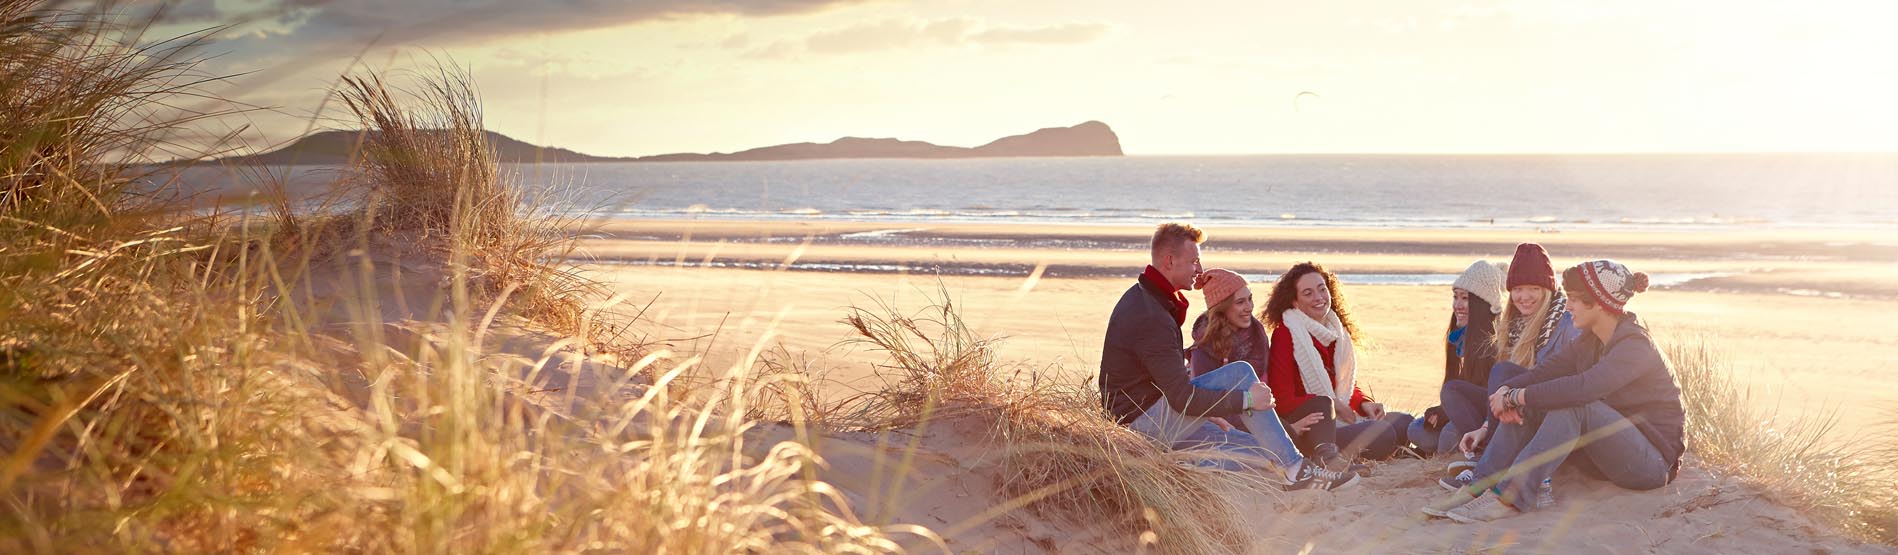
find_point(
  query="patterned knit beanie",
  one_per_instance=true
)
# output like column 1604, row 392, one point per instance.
column 1607, row 282
column 1531, row 266
column 1218, row 284
column 1483, row 280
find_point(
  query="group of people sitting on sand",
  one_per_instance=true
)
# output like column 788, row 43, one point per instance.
column 1534, row 371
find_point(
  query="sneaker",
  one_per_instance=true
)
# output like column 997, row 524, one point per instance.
column 1463, row 462
column 1457, row 498
column 1312, row 476
column 1337, row 463
column 1458, row 482
column 1486, row 508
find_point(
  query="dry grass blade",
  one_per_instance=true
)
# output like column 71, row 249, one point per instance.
column 1801, row 462
column 1063, row 458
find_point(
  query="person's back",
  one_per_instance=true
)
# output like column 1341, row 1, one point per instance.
column 1126, row 381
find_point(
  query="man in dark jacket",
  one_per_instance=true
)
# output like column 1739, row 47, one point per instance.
column 1144, row 380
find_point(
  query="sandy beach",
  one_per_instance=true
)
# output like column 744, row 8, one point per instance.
column 1800, row 314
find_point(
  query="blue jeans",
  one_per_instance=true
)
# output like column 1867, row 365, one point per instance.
column 1467, row 404
column 1375, row 439
column 1431, row 443
column 1543, row 441
column 1267, row 438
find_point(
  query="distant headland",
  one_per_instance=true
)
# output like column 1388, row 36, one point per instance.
column 1091, row 138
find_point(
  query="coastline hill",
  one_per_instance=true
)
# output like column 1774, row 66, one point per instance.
column 1091, row 138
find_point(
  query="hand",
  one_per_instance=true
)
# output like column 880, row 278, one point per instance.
column 1304, row 424
column 1373, row 410
column 1223, row 425
column 1497, row 404
column 1472, row 440
column 1510, row 416
column 1261, row 397
column 1345, row 414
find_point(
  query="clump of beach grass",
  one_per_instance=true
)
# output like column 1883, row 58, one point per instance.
column 141, row 405
column 168, row 385
column 1845, row 479
column 1060, row 454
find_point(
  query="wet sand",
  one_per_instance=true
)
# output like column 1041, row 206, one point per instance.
column 1803, row 352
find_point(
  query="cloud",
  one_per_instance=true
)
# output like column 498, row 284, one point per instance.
column 303, row 23
column 192, row 11
column 1070, row 33
column 893, row 34
column 579, row 64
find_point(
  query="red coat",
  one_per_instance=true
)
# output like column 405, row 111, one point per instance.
column 1288, row 389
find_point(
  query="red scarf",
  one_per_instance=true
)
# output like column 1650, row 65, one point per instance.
column 1179, row 305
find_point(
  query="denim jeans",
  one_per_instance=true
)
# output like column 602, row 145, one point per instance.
column 1537, row 446
column 1467, row 404
column 1267, row 438
column 1430, row 443
column 1375, row 439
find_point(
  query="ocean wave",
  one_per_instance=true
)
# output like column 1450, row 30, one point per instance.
column 1111, row 215
column 879, row 234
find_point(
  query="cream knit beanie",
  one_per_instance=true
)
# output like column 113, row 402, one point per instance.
column 1484, row 280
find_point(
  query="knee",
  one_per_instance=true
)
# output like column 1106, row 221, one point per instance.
column 1502, row 372
column 1568, row 415
column 1235, row 366
column 1320, row 404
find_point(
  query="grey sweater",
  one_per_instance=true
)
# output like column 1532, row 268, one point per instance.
column 1142, row 361
column 1626, row 372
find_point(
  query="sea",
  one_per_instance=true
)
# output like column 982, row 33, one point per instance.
column 1688, row 192
column 1646, row 192
column 1565, row 192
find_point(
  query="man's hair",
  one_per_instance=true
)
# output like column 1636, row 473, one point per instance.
column 1173, row 235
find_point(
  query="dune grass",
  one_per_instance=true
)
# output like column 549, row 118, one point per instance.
column 1060, row 454
column 173, row 384
column 1845, row 479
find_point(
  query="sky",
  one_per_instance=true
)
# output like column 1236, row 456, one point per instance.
column 642, row 77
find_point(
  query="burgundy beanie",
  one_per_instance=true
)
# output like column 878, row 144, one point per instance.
column 1531, row 266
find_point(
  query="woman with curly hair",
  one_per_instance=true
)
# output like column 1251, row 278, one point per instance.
column 1313, row 370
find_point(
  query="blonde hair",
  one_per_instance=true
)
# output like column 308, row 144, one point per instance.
column 1172, row 235
column 1219, row 331
column 1524, row 351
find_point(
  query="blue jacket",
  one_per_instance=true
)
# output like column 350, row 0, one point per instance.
column 1564, row 334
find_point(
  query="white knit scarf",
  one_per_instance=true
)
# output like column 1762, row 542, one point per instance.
column 1311, row 366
